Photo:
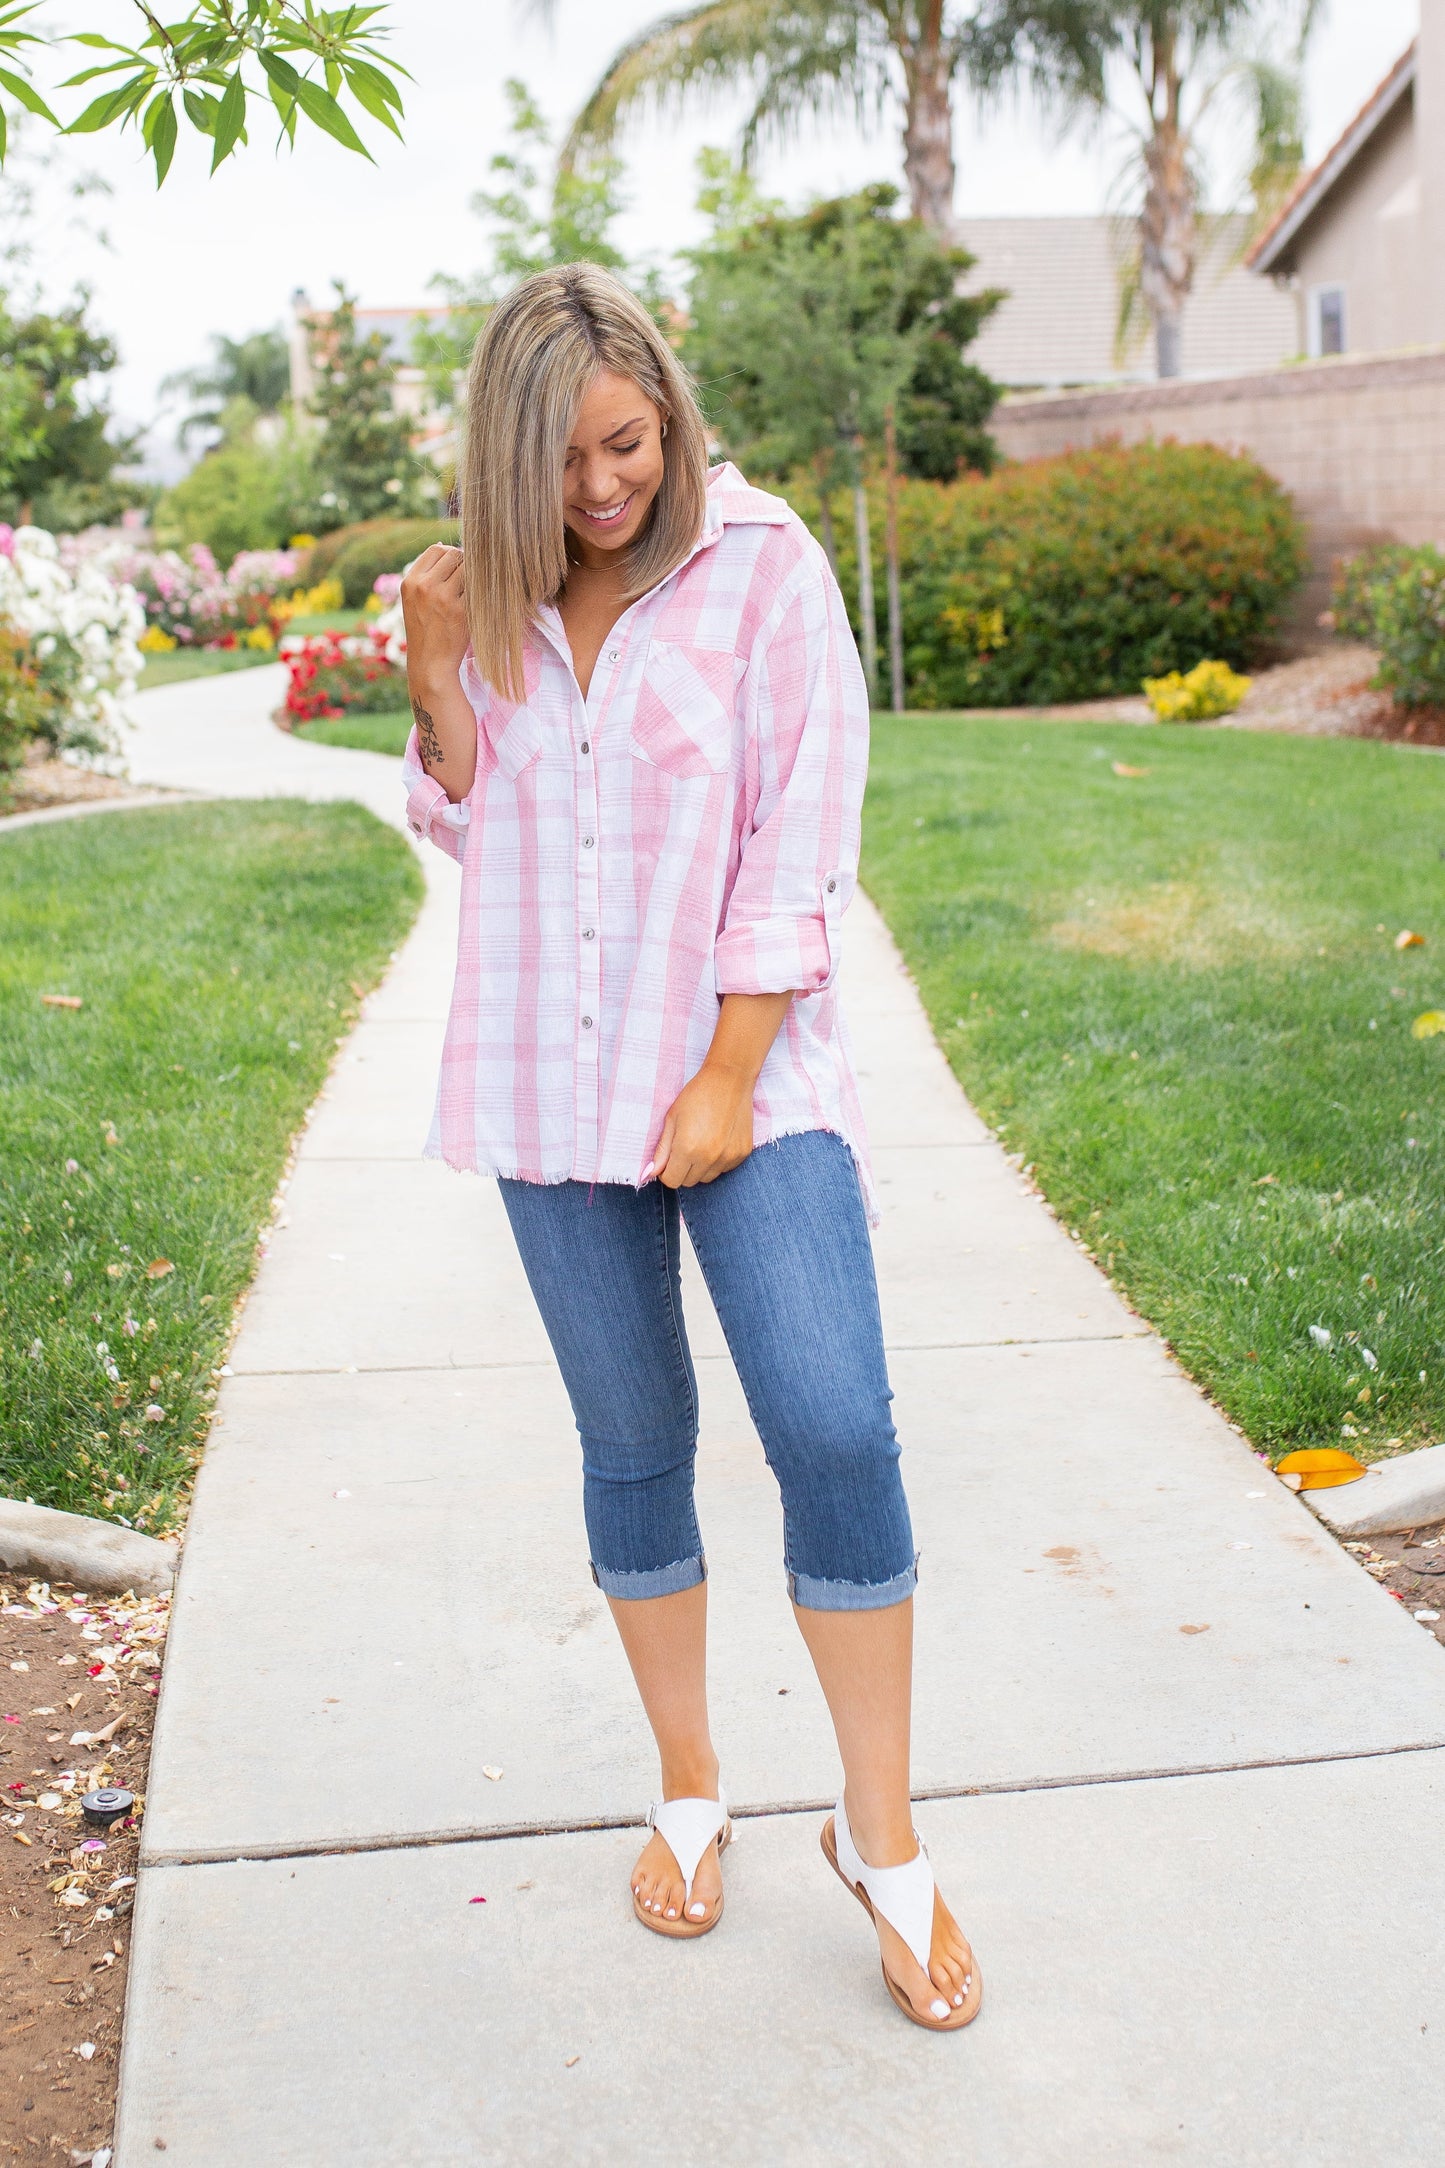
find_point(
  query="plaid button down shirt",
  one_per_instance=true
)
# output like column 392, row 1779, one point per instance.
column 688, row 830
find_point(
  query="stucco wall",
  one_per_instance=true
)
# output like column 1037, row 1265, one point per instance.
column 1366, row 237
column 1360, row 445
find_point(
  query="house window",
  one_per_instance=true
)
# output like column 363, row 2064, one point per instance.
column 1327, row 320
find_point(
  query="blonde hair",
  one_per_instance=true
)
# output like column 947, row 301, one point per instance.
column 539, row 351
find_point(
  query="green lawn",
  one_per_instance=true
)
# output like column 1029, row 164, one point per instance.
column 1177, row 996
column 196, row 662
column 386, row 733
column 219, row 952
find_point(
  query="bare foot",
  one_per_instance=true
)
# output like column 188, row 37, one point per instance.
column 948, row 1983
column 657, row 1883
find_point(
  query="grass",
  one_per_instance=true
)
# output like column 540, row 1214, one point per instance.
column 197, row 662
column 193, row 662
column 385, row 733
column 219, row 951
column 1176, row 995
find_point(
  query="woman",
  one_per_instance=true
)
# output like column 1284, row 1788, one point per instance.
column 642, row 728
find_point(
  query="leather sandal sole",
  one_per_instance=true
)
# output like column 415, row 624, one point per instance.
column 686, row 1930
column 956, row 2019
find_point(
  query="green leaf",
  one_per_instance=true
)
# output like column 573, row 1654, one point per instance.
column 318, row 105
column 202, row 109
column 230, row 120
column 163, row 140
column 102, row 111
column 280, row 71
column 28, row 95
column 369, row 89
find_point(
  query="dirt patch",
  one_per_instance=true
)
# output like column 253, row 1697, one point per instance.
column 1412, row 1567
column 72, row 1669
column 42, row 783
column 1175, row 922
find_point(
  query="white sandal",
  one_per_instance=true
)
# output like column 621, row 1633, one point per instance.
column 903, row 1896
column 687, row 1827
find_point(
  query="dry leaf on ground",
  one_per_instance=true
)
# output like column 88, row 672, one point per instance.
column 62, row 1001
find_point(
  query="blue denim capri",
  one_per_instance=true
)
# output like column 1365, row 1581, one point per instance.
column 784, row 1248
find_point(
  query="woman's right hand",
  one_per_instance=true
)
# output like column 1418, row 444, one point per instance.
column 434, row 606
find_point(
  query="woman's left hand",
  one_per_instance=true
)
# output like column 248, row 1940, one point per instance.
column 709, row 1128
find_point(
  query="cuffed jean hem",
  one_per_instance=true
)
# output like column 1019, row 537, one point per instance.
column 814, row 1595
column 663, row 1581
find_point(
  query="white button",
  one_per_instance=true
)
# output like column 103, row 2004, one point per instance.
column 587, row 843
column 589, row 933
column 586, row 1023
column 611, row 655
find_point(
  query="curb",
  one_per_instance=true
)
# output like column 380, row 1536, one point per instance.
column 1392, row 1495
column 91, row 1554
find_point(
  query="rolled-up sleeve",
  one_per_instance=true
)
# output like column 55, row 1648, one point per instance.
column 808, row 727
column 430, row 814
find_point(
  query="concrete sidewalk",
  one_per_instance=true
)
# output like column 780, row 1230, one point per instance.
column 1182, row 1763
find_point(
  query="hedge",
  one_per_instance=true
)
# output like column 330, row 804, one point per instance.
column 355, row 555
column 1076, row 578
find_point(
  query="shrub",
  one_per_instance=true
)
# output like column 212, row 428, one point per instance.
column 1356, row 580
column 1077, row 577
column 1394, row 598
column 335, row 673
column 385, row 546
column 72, row 636
column 1199, row 695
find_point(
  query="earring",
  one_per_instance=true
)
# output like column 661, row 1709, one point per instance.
column 664, row 429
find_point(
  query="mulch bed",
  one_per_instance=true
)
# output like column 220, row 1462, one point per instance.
column 80, row 1683
column 1412, row 1567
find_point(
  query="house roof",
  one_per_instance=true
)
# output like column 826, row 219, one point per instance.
column 1061, row 277
column 1310, row 191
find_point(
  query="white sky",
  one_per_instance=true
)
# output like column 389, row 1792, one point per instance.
column 224, row 255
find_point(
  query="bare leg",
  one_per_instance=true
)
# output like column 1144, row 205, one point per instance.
column 666, row 1642
column 864, row 1662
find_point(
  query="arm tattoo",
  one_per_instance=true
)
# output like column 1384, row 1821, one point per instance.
column 426, row 736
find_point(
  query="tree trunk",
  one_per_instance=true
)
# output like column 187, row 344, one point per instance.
column 895, row 595
column 928, row 123
column 1167, row 240
column 867, row 613
column 825, row 511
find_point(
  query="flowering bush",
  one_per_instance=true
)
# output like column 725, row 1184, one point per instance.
column 1076, row 577
column 188, row 598
column 1394, row 598
column 1209, row 690
column 336, row 673
column 71, row 653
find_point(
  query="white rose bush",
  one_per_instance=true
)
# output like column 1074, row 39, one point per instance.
column 69, row 652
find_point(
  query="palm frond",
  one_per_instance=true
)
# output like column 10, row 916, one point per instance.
column 811, row 46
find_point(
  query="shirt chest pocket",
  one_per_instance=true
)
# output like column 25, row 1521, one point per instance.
column 513, row 736
column 684, row 719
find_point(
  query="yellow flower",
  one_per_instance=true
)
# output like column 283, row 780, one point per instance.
column 1208, row 690
column 259, row 636
column 155, row 641
column 302, row 542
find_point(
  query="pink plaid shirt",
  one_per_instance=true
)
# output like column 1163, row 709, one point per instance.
column 688, row 830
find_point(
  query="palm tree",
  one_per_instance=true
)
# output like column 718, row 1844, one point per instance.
column 1161, row 67
column 800, row 59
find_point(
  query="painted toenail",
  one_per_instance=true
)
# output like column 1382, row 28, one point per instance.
column 697, row 1912
column 672, row 1912
column 938, row 2006
column 958, row 2002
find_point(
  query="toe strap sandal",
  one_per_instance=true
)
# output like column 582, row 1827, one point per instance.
column 687, row 1827
column 903, row 1896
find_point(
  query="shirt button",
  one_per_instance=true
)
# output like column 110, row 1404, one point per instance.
column 586, row 1023
column 587, row 843
column 830, row 886
column 589, row 933
column 586, row 745
column 611, row 655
